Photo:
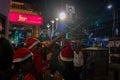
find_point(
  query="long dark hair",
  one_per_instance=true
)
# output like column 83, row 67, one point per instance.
column 3, row 21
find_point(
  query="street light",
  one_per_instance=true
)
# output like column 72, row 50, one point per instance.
column 110, row 6
column 62, row 15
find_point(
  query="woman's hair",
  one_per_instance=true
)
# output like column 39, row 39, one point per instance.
column 3, row 21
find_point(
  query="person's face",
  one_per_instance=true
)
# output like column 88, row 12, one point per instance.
column 49, row 55
column 35, row 47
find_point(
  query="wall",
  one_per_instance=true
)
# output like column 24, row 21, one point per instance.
column 4, row 9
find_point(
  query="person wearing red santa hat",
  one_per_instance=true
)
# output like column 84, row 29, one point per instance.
column 66, row 67
column 23, row 65
column 33, row 44
column 39, row 54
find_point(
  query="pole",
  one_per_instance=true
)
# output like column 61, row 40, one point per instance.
column 113, row 28
column 56, row 26
column 52, row 31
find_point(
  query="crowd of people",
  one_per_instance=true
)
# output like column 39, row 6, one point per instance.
column 34, row 61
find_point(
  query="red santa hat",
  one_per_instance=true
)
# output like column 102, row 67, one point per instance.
column 31, row 42
column 67, row 53
column 21, row 54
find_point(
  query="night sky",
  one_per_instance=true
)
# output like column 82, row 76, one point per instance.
column 87, row 11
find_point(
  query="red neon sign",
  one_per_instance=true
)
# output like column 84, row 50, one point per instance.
column 25, row 18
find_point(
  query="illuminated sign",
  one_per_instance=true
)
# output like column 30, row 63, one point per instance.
column 25, row 18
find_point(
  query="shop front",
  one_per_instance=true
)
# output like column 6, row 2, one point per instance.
column 23, row 26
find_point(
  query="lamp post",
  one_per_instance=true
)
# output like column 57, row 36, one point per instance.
column 56, row 26
column 113, row 28
column 114, row 16
column 62, row 17
column 52, row 31
column 48, row 26
column 110, row 6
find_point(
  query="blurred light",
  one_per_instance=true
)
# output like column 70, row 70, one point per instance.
column 67, row 36
column 62, row 15
column 95, row 39
column 88, row 42
column 12, row 42
column 103, row 43
column 106, row 39
column 90, row 35
column 97, row 23
column 56, row 19
column 93, row 44
column 109, row 6
column 48, row 25
column 116, row 31
column 52, row 21
column 9, row 32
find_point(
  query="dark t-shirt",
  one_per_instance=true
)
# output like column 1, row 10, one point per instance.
column 67, row 70
column 6, row 57
column 6, row 53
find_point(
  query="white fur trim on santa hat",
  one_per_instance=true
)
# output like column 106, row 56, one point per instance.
column 65, row 59
column 22, row 59
column 35, row 43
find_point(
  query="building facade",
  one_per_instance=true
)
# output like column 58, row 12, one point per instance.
column 23, row 22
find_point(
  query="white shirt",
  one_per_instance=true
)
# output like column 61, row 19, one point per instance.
column 78, row 59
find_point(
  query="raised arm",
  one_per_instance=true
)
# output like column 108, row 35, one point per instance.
column 61, row 35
